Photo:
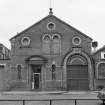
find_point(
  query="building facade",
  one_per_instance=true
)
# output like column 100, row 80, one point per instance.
column 52, row 55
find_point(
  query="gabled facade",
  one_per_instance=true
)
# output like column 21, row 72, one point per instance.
column 52, row 55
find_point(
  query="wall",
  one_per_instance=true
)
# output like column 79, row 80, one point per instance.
column 20, row 54
column 99, row 82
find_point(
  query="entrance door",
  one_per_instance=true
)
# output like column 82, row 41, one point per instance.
column 36, row 77
column 77, row 77
column 36, row 80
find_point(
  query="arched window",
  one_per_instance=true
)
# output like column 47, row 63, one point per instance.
column 46, row 43
column 56, row 44
column 25, row 41
column 101, row 70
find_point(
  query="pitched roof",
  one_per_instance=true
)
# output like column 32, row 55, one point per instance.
column 46, row 18
column 101, row 49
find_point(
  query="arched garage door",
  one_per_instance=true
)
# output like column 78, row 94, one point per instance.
column 77, row 73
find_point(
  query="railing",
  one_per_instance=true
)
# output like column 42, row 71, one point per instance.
column 55, row 102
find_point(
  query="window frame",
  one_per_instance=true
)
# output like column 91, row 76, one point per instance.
column 97, row 74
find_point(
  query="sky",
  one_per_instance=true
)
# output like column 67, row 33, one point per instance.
column 88, row 16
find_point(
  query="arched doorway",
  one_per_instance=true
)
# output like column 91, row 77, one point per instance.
column 77, row 73
column 85, row 62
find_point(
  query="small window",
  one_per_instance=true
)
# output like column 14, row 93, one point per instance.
column 51, row 26
column 25, row 41
column 76, row 40
column 19, row 68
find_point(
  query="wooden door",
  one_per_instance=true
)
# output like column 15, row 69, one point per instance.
column 77, row 77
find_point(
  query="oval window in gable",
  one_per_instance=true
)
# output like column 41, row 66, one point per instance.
column 25, row 41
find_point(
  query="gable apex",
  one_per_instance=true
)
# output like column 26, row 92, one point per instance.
column 56, row 19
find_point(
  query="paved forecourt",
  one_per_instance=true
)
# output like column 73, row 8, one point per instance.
column 47, row 98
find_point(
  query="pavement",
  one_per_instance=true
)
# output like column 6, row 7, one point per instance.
column 49, row 98
column 46, row 95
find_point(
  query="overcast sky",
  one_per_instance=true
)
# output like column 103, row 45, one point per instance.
column 87, row 16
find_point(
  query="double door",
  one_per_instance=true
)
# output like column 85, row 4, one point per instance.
column 77, row 77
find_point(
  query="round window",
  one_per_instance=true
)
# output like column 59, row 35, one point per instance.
column 76, row 40
column 25, row 41
column 51, row 26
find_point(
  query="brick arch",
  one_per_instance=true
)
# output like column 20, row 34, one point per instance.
column 89, row 63
column 76, row 59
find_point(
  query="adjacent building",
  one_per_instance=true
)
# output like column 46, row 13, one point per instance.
column 52, row 55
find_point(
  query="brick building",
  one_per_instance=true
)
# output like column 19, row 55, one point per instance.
column 52, row 55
